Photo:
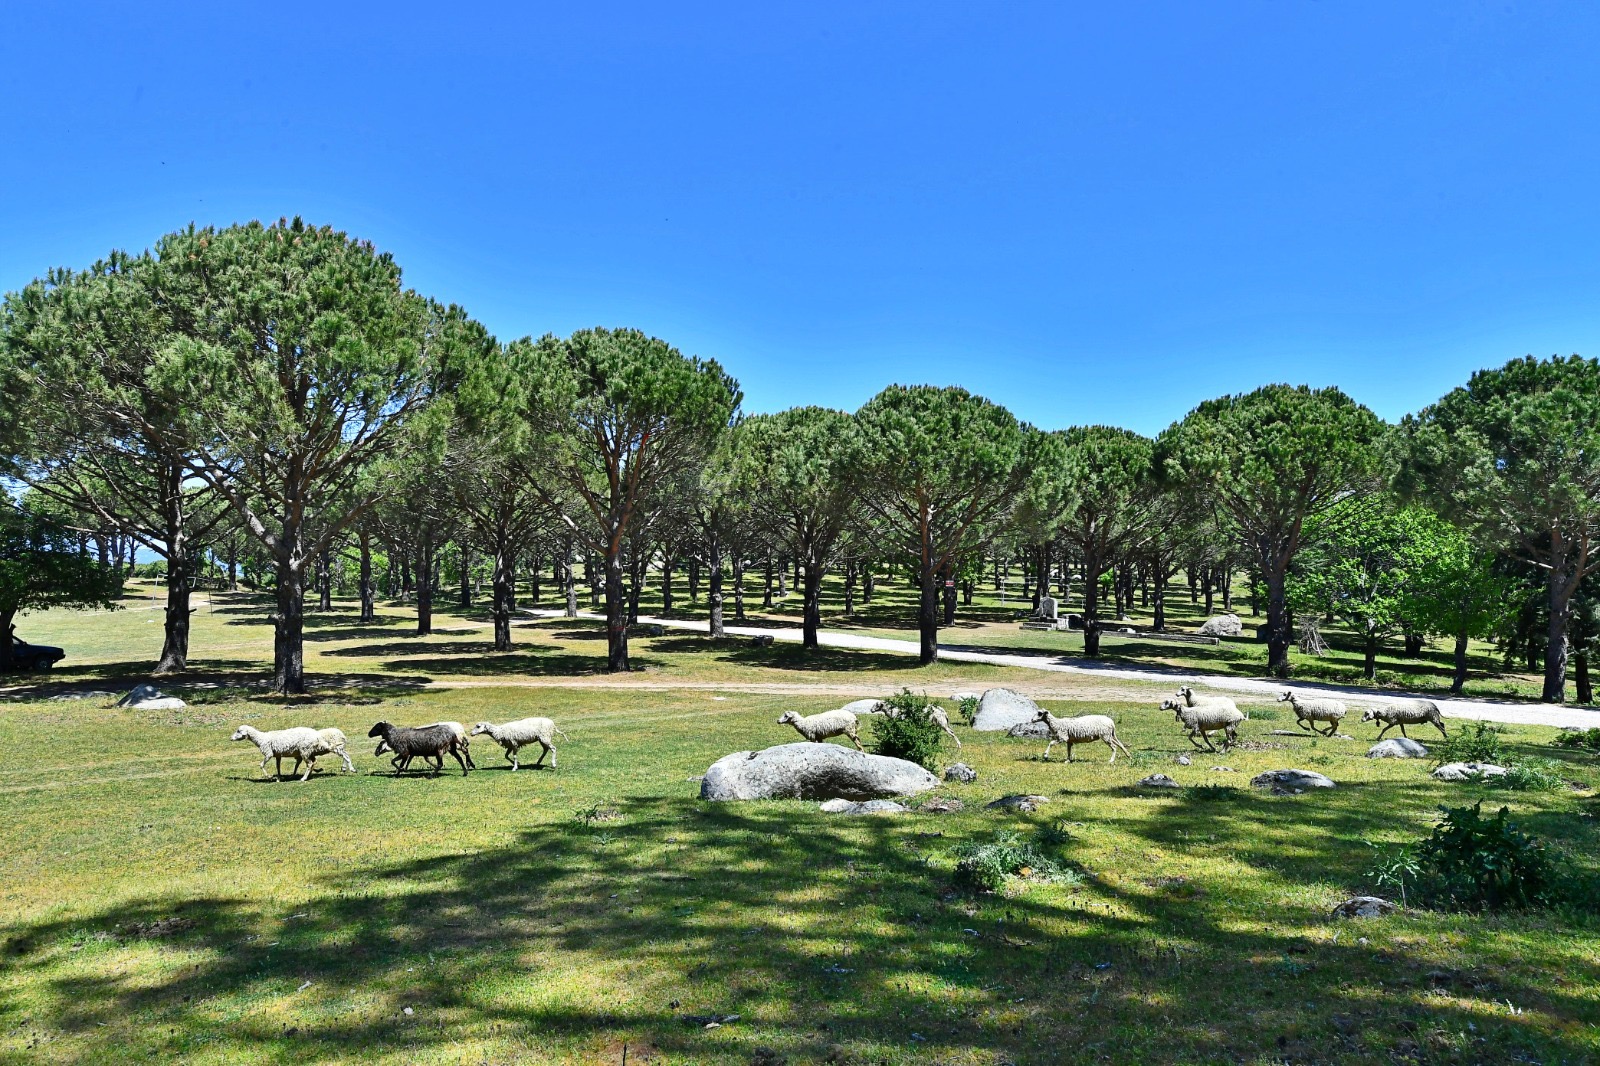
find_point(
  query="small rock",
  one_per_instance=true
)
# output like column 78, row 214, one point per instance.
column 1019, row 803
column 1222, row 625
column 762, row 641
column 1468, row 771
column 1224, row 770
column 1158, row 781
column 960, row 772
column 149, row 698
column 1290, row 782
column 1364, row 907
column 1182, row 760
column 940, row 805
column 1397, row 748
column 408, row 1012
column 844, row 806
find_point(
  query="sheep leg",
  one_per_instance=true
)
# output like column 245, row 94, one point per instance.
column 1047, row 748
column 953, row 736
column 264, row 759
column 511, row 754
column 855, row 740
column 1332, row 728
column 1195, row 742
column 546, row 750
column 311, row 764
column 459, row 759
column 1403, row 730
column 1301, row 722
column 349, row 766
column 1114, row 744
column 279, row 767
column 1069, row 750
column 466, row 750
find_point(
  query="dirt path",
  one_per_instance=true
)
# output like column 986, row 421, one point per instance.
column 1257, row 689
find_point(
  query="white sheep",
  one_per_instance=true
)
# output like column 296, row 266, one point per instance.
column 1307, row 713
column 463, row 741
column 1406, row 712
column 1204, row 718
column 333, row 744
column 513, row 735
column 1084, row 729
column 1191, row 699
column 301, row 743
column 819, row 727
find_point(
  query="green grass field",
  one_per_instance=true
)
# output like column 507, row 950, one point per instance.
column 161, row 900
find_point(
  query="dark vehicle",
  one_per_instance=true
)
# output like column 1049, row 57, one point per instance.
column 25, row 656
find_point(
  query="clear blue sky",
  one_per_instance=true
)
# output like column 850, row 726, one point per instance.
column 1090, row 213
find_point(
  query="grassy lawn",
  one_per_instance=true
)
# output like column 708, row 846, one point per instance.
column 162, row 901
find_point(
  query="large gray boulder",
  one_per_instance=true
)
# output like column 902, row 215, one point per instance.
column 1468, row 771
column 1222, row 625
column 1002, row 711
column 149, row 698
column 812, row 771
column 1397, row 748
column 859, row 707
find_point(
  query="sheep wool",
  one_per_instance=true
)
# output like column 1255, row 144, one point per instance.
column 431, row 743
column 819, row 727
column 1083, row 729
column 1308, row 713
column 333, row 743
column 513, row 735
column 1190, row 699
column 1204, row 719
column 1406, row 712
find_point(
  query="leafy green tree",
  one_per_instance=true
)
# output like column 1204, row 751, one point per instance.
column 307, row 361
column 104, row 438
column 939, row 465
column 1269, row 460
column 1514, row 456
column 626, row 416
column 1045, row 495
column 1115, row 496
column 798, row 466
column 41, row 566
column 1459, row 592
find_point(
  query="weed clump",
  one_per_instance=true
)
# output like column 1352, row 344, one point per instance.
column 1583, row 740
column 907, row 731
column 1473, row 862
column 1479, row 742
column 987, row 867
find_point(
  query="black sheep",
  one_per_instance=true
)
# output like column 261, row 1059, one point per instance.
column 430, row 742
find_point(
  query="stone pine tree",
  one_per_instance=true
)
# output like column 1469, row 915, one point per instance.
column 1044, row 497
column 308, row 361
column 1113, row 507
column 626, row 416
column 939, row 465
column 1459, row 592
column 41, row 567
column 799, row 467
column 105, row 438
column 1514, row 455
column 1269, row 460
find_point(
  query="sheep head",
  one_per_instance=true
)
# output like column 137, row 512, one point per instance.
column 788, row 718
column 1173, row 706
column 1042, row 716
column 1369, row 715
column 242, row 733
column 379, row 730
column 1286, row 697
column 481, row 727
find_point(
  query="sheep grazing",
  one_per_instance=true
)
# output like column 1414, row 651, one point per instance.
column 1307, row 713
column 463, row 741
column 819, row 727
column 1203, row 719
column 1406, row 712
column 299, row 743
column 1084, row 729
column 514, row 735
column 431, row 743
column 936, row 715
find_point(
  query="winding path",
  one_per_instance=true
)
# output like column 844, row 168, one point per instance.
column 1517, row 713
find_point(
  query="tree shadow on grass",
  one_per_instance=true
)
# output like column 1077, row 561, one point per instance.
column 784, row 655
column 482, row 946
column 518, row 663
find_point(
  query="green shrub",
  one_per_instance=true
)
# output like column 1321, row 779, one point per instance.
column 987, row 867
column 910, row 733
column 1479, row 742
column 1531, row 775
column 1473, row 863
column 967, row 708
column 1265, row 714
column 1585, row 740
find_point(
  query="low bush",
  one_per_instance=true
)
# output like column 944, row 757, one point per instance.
column 1479, row 742
column 1473, row 863
column 909, row 733
column 1531, row 775
column 1583, row 740
column 987, row 867
column 967, row 708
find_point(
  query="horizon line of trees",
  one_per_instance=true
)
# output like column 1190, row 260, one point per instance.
column 273, row 396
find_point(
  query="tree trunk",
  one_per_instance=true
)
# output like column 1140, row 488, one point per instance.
column 947, row 589
column 1227, row 590
column 714, row 594
column 501, row 603
column 1207, row 576
column 289, row 660
column 571, row 581
column 7, row 631
column 1158, row 597
column 368, row 612
column 928, row 615
column 1580, row 677
column 694, row 579
column 425, row 587
column 1091, row 606
column 324, row 581
column 869, row 582
column 1277, row 620
column 466, row 578
column 666, row 584
column 783, row 582
column 616, row 616
column 738, row 586
column 175, row 643
column 535, row 574
column 1369, row 664
column 966, row 594
column 849, row 588
column 1413, row 644
column 812, row 611
column 1561, row 589
column 766, row 594
column 1460, row 677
